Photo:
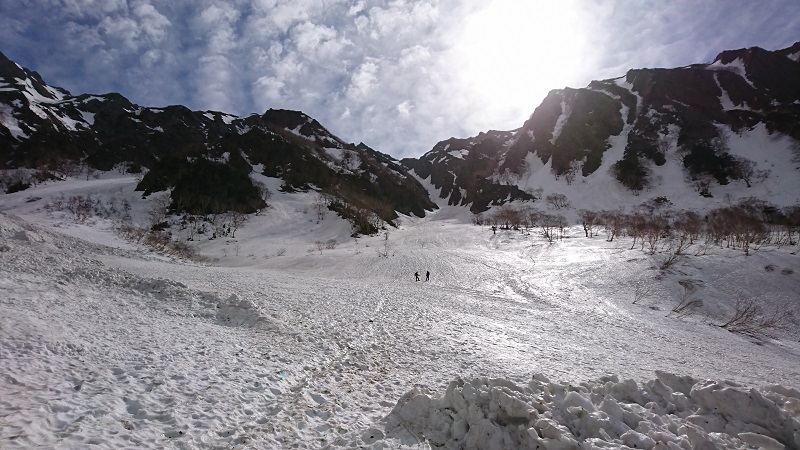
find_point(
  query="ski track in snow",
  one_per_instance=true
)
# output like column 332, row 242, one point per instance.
column 115, row 348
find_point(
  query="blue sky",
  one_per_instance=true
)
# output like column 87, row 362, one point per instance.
column 398, row 75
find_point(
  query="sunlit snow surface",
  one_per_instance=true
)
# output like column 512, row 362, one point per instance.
column 514, row 343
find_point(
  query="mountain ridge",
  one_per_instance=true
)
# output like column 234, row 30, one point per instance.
column 686, row 126
column 48, row 128
column 689, row 113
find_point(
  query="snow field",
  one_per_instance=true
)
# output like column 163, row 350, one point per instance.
column 103, row 344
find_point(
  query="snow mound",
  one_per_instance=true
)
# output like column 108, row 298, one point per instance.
column 669, row 412
column 20, row 232
column 238, row 312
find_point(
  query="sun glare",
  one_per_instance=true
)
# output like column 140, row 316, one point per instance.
column 513, row 52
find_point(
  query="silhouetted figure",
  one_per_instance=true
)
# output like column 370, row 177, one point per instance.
column 427, row 276
column 416, row 275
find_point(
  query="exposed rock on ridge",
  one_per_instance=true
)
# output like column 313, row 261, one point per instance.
column 690, row 110
column 47, row 128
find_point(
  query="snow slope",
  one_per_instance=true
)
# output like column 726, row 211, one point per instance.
column 271, row 343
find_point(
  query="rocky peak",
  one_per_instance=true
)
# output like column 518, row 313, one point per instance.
column 48, row 129
column 688, row 111
column 25, row 80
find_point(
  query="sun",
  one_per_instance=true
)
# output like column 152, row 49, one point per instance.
column 512, row 52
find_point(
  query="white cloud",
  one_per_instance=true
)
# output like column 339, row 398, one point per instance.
column 122, row 30
column 83, row 8
column 290, row 67
column 405, row 108
column 430, row 68
column 283, row 14
column 401, row 19
column 153, row 24
column 317, row 41
column 217, row 23
column 275, row 50
column 216, row 83
column 362, row 24
column 356, row 8
column 415, row 56
column 215, row 16
column 82, row 37
column 363, row 81
column 151, row 57
column 141, row 26
column 268, row 89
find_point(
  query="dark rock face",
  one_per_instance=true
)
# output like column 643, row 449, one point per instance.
column 206, row 156
column 462, row 170
column 651, row 109
column 648, row 112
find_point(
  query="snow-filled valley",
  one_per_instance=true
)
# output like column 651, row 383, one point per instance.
column 272, row 341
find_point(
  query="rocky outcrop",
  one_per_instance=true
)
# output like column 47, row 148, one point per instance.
column 48, row 128
column 648, row 110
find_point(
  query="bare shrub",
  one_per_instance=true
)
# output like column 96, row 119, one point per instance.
column 532, row 217
column 131, row 232
column 672, row 256
column 280, row 252
column 741, row 226
column 321, row 202
column 688, row 224
column 157, row 240
column 705, row 246
column 508, row 217
column 385, row 247
column 552, row 226
column 264, row 194
column 183, row 251
column 557, row 201
column 687, row 303
column 236, row 220
column 589, row 220
column 702, row 184
column 744, row 169
column 635, row 226
column 159, row 208
column 749, row 318
column 642, row 289
column 189, row 223
column 536, row 193
column 330, row 244
column 575, row 167
column 362, row 220
column 15, row 180
column 613, row 222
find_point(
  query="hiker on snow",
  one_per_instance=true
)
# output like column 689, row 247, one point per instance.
column 416, row 275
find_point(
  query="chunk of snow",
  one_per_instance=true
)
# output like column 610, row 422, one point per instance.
column 9, row 121
column 498, row 413
column 736, row 66
column 566, row 110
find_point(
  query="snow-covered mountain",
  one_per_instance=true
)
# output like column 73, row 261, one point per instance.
column 48, row 129
column 699, row 136
column 694, row 135
column 125, row 326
